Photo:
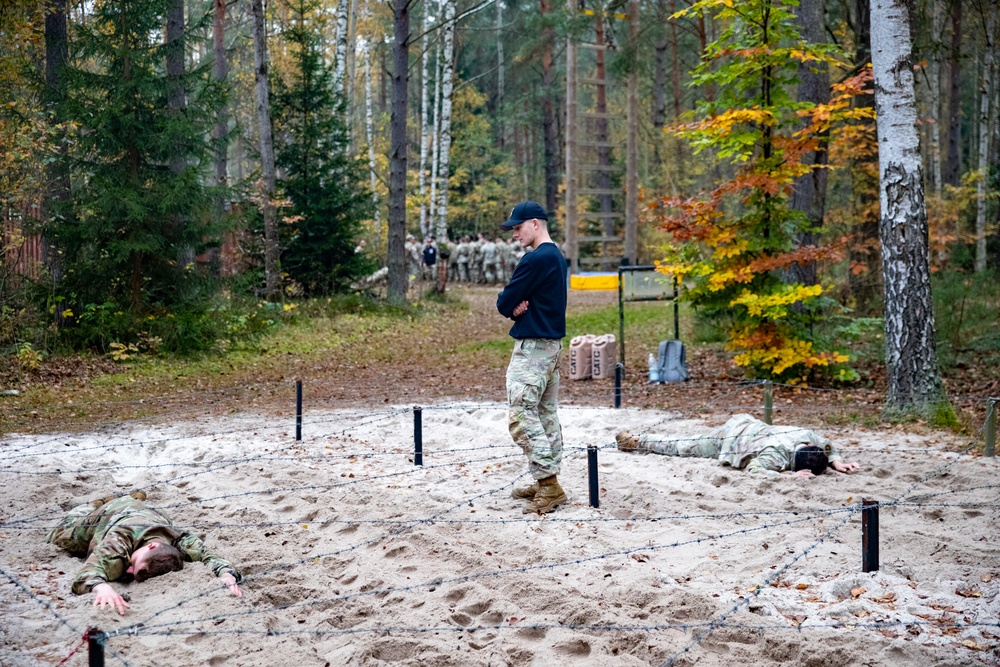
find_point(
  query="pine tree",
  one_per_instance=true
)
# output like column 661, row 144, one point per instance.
column 325, row 186
column 138, row 195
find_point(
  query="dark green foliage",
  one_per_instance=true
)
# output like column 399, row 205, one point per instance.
column 139, row 205
column 325, row 187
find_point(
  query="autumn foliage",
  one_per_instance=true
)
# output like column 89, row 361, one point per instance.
column 732, row 245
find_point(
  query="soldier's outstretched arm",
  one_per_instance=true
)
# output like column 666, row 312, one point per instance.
column 106, row 596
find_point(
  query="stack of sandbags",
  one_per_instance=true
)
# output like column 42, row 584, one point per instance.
column 603, row 356
column 580, row 357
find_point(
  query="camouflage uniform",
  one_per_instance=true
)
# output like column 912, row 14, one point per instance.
column 462, row 260
column 533, row 393
column 489, row 251
column 109, row 534
column 744, row 442
column 503, row 259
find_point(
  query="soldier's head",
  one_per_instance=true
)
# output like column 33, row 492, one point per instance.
column 811, row 458
column 154, row 559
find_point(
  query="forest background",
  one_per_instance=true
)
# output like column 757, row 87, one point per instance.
column 183, row 177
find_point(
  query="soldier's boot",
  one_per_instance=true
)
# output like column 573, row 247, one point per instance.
column 525, row 492
column 549, row 496
column 100, row 502
column 627, row 442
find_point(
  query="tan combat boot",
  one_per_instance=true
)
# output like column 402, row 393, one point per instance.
column 627, row 442
column 525, row 492
column 550, row 496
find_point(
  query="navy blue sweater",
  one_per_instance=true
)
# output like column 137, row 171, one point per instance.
column 539, row 279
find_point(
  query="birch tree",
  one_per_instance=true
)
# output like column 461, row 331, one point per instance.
column 914, row 378
column 424, row 120
column 340, row 68
column 982, row 181
column 435, row 132
column 266, row 191
column 370, row 133
column 444, row 139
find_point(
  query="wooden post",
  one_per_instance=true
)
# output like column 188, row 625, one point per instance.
column 572, row 246
column 632, row 145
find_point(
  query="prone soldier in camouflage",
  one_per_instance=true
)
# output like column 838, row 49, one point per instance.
column 747, row 443
column 125, row 536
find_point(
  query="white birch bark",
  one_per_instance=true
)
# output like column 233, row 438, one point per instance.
column 444, row 140
column 435, row 133
column 340, row 67
column 985, row 90
column 424, row 129
column 500, row 81
column 914, row 379
column 370, row 132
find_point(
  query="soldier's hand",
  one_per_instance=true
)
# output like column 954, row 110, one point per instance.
column 521, row 309
column 843, row 466
column 104, row 595
column 803, row 473
column 230, row 582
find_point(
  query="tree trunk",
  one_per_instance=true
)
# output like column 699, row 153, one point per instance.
column 370, row 134
column 934, row 82
column 500, row 81
column 914, row 378
column 271, row 247
column 435, row 137
column 220, row 71
column 954, row 171
column 982, row 181
column 340, row 69
column 548, row 112
column 57, row 171
column 602, row 177
column 444, row 150
column 397, row 284
column 424, row 122
column 660, row 84
column 809, row 193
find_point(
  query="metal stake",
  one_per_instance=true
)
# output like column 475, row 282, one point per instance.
column 298, row 409
column 95, row 648
column 869, row 535
column 768, row 401
column 595, row 500
column 991, row 428
column 619, row 372
column 418, row 436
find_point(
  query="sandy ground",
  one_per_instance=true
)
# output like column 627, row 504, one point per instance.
column 355, row 556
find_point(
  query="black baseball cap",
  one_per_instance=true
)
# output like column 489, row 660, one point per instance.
column 526, row 210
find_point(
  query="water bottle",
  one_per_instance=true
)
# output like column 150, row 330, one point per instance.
column 654, row 370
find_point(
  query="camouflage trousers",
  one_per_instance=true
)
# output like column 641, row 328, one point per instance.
column 533, row 395
column 705, row 446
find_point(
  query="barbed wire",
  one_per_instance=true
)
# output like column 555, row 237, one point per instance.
column 16, row 582
column 440, row 581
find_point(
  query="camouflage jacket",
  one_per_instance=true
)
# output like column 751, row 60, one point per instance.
column 119, row 527
column 761, row 448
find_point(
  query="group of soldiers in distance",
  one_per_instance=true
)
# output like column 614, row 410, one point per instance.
column 474, row 259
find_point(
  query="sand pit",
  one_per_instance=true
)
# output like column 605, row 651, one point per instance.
column 355, row 556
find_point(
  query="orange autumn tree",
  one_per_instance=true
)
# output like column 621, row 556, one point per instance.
column 734, row 243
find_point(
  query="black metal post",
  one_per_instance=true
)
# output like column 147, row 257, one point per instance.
column 768, row 402
column 418, row 436
column 991, row 428
column 95, row 648
column 595, row 500
column 677, row 313
column 619, row 372
column 298, row 409
column 621, row 316
column 869, row 535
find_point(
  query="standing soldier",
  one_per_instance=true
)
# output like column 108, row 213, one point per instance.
column 489, row 261
column 462, row 259
column 476, row 259
column 503, row 259
column 412, row 250
column 535, row 298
